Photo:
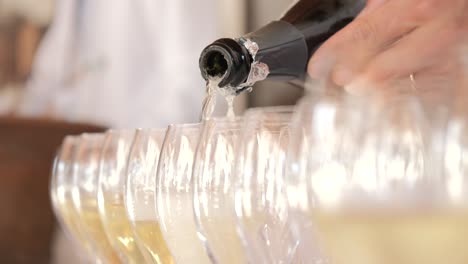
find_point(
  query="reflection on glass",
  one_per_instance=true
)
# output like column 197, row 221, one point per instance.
column 140, row 195
column 372, row 197
column 260, row 201
column 61, row 193
column 174, row 194
column 85, row 181
column 111, row 187
column 213, row 181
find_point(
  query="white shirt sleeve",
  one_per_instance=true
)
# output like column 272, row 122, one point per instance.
column 123, row 63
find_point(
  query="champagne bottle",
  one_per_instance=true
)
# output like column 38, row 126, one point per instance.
column 279, row 50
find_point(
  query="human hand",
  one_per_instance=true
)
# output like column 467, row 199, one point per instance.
column 393, row 39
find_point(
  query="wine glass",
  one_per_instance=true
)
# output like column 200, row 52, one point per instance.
column 174, row 194
column 140, row 195
column 454, row 184
column 388, row 206
column 111, row 187
column 60, row 193
column 455, row 152
column 213, row 179
column 84, row 194
column 260, row 201
column 323, row 142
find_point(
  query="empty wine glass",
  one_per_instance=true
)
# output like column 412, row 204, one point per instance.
column 111, row 187
column 140, row 195
column 213, row 181
column 260, row 201
column 84, row 193
column 174, row 194
column 61, row 194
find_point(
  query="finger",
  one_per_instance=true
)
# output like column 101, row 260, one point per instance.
column 414, row 53
column 359, row 41
column 327, row 63
column 435, row 84
column 346, row 53
column 438, row 84
column 436, row 53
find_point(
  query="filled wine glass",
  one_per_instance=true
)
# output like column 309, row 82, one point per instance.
column 61, row 195
column 140, row 195
column 213, row 198
column 111, row 188
column 385, row 205
column 385, row 209
column 84, row 193
column 323, row 142
column 260, row 200
column 174, row 194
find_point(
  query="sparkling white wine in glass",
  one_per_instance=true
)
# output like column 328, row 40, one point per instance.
column 387, row 207
column 148, row 231
column 93, row 226
column 71, row 219
column 84, row 194
column 174, row 197
column 260, row 200
column 110, row 197
column 140, row 194
column 119, row 230
column 60, row 192
column 179, row 229
column 150, row 234
column 389, row 237
column 213, row 201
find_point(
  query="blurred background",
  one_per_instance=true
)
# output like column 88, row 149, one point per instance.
column 117, row 58
column 68, row 66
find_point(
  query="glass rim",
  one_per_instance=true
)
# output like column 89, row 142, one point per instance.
column 270, row 115
column 223, row 125
column 73, row 139
column 224, row 120
column 151, row 130
column 185, row 126
column 93, row 135
column 120, row 131
column 271, row 109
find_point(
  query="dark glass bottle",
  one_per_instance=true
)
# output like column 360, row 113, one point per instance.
column 281, row 49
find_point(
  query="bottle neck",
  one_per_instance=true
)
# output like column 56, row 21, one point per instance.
column 281, row 49
column 227, row 59
column 276, row 50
